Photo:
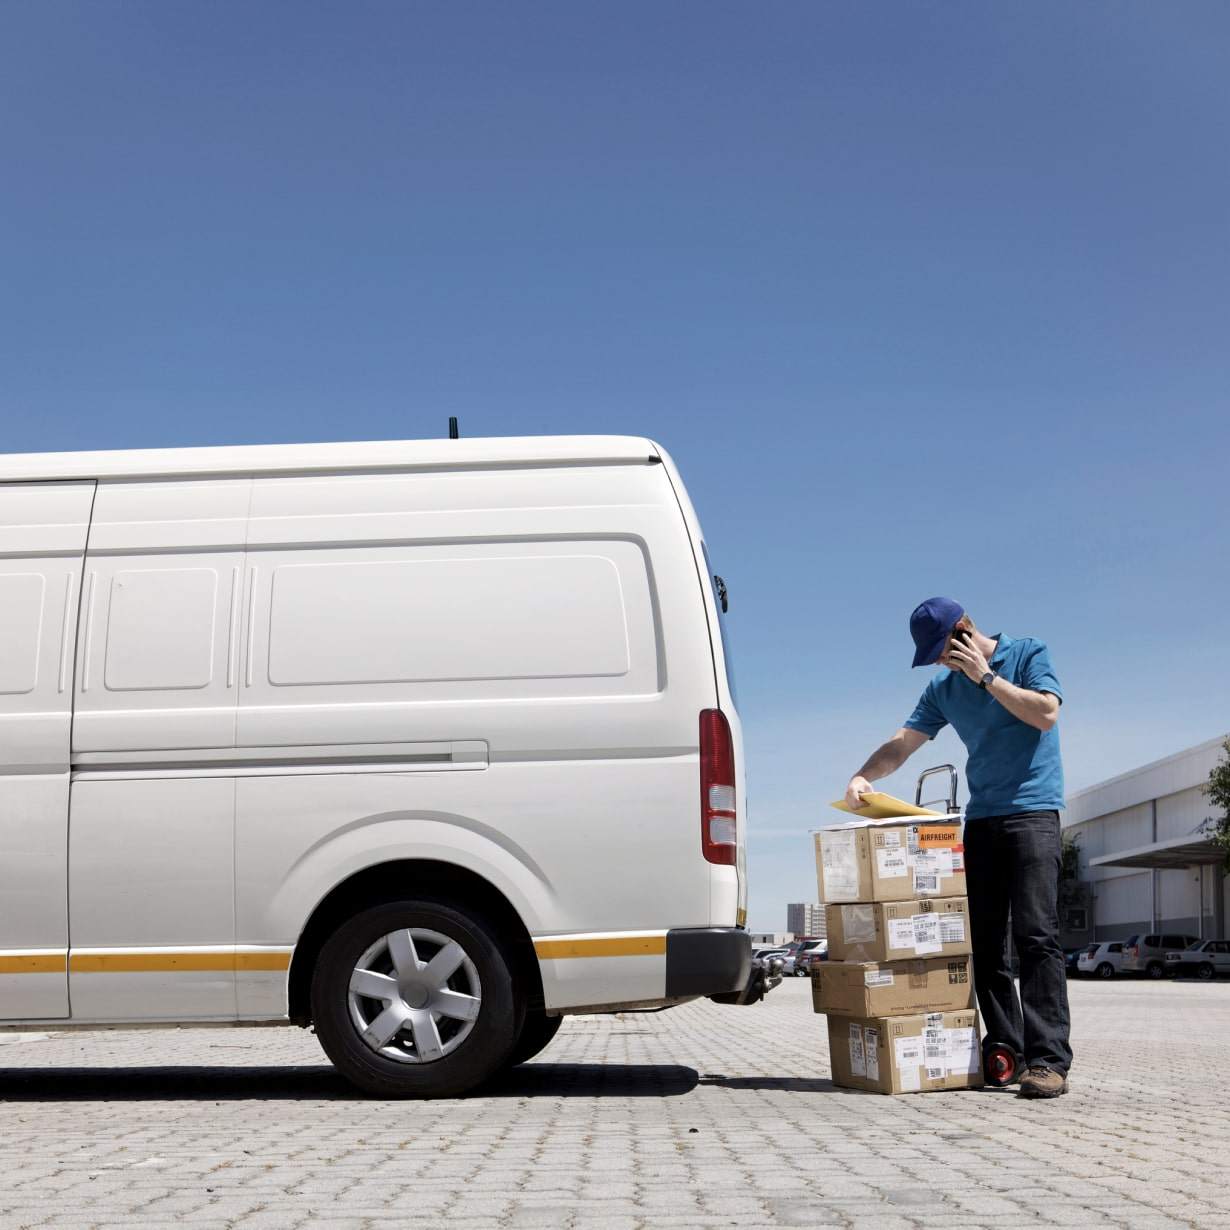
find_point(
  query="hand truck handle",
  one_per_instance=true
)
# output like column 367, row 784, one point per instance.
column 952, row 785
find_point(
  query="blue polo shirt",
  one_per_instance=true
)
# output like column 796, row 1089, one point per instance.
column 1011, row 766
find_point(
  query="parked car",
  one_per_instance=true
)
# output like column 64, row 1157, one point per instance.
column 1070, row 958
column 1101, row 960
column 768, row 954
column 809, row 957
column 1146, row 954
column 1205, row 959
column 424, row 744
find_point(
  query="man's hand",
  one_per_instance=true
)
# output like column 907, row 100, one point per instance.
column 967, row 658
column 855, row 790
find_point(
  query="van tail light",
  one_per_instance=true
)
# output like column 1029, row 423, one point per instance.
column 1133, row 951
column 718, row 814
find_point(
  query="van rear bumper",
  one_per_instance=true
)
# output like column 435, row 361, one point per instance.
column 707, row 961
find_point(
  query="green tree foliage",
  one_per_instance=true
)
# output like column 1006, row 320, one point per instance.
column 1070, row 858
column 1217, row 788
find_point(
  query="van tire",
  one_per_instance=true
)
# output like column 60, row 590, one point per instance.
column 536, row 1035
column 1105, row 970
column 1155, row 969
column 1205, row 972
column 486, row 1046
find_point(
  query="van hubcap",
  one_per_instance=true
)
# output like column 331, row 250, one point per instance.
column 414, row 995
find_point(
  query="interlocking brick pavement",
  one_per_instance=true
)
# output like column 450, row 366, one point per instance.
column 701, row 1116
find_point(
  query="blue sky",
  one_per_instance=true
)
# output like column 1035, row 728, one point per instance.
column 924, row 298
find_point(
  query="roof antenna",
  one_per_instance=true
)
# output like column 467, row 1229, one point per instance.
column 452, row 427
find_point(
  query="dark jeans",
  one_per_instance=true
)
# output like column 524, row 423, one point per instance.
column 1012, row 869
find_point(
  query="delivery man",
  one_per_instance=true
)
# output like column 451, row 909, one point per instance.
column 1001, row 696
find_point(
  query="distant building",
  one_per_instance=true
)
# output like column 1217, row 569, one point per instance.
column 771, row 939
column 1142, row 849
column 805, row 919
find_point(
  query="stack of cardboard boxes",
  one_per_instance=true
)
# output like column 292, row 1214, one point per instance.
column 898, row 987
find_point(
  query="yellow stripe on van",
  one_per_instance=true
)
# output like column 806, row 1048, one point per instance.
column 33, row 963
column 276, row 961
column 613, row 946
column 176, row 962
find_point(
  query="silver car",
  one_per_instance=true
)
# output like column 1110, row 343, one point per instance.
column 1205, row 959
column 810, row 952
column 1146, row 954
column 1101, row 960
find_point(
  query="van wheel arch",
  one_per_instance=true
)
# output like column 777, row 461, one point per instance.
column 395, row 881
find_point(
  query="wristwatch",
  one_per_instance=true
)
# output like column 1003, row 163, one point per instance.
column 986, row 679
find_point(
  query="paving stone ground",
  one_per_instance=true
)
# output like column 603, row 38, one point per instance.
column 700, row 1116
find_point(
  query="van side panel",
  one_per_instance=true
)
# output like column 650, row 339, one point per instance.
column 43, row 529
column 551, row 618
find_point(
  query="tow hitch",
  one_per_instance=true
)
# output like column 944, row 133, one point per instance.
column 762, row 978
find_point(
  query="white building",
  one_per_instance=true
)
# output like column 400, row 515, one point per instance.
column 806, row 919
column 1141, row 846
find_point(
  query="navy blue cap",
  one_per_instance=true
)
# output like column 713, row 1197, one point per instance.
column 931, row 625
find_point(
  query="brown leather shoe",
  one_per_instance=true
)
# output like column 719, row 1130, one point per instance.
column 1043, row 1082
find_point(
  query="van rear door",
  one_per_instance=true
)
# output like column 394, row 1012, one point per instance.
column 43, row 529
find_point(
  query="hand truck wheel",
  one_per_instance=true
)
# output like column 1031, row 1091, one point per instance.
column 1001, row 1065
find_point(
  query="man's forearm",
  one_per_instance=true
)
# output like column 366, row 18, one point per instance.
column 1037, row 709
column 886, row 759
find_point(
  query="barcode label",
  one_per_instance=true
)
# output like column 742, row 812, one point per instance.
column 871, row 1053
column 891, row 864
column 858, row 1060
column 901, row 933
column 926, row 933
column 926, row 884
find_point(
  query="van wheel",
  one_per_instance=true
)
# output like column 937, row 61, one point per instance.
column 1204, row 972
column 414, row 999
column 1155, row 970
column 536, row 1035
column 1105, row 970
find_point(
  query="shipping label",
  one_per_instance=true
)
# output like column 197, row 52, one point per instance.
column 908, row 1054
column 878, row 978
column 935, row 1053
column 871, row 1052
column 952, row 928
column 936, row 836
column 890, row 864
column 963, row 1050
column 839, row 860
column 926, row 929
column 858, row 1061
column 901, row 933
column 929, row 867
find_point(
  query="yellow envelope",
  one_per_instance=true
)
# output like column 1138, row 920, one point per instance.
column 878, row 806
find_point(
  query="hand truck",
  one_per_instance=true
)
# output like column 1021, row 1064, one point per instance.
column 1002, row 1063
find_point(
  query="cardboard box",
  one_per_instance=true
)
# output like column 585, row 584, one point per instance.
column 906, row 1054
column 898, row 930
column 891, row 860
column 889, row 988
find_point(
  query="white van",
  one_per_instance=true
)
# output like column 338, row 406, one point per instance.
column 424, row 744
